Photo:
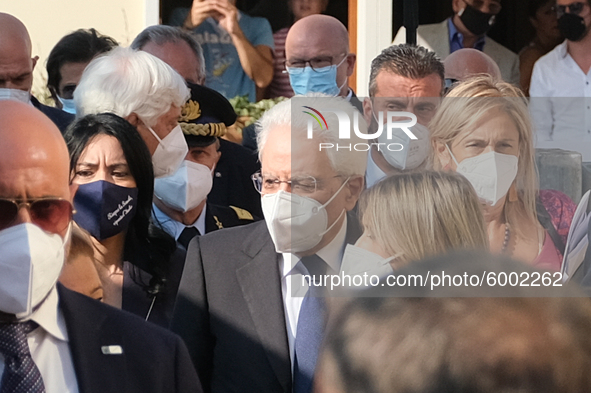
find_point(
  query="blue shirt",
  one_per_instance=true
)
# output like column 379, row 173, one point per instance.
column 224, row 72
column 456, row 39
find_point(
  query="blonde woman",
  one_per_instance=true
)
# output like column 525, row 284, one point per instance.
column 483, row 131
column 411, row 216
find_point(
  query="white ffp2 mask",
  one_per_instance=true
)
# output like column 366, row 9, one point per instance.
column 491, row 174
column 185, row 189
column 31, row 261
column 413, row 152
column 357, row 261
column 296, row 223
column 170, row 153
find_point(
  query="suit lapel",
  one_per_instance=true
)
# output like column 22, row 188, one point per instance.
column 88, row 332
column 260, row 282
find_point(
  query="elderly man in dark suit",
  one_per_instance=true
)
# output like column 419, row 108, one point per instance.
column 53, row 340
column 249, row 320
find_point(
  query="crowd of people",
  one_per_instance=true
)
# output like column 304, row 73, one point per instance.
column 141, row 251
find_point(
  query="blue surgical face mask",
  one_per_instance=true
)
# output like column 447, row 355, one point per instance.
column 15, row 95
column 68, row 105
column 320, row 80
column 104, row 209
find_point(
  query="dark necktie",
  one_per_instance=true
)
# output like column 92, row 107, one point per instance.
column 187, row 234
column 21, row 374
column 310, row 329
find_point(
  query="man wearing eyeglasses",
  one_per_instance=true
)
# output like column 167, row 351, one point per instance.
column 467, row 28
column 250, row 323
column 560, row 88
column 318, row 58
column 53, row 340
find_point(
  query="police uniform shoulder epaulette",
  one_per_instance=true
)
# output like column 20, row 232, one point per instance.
column 242, row 214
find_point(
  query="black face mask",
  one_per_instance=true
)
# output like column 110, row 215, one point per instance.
column 572, row 27
column 477, row 22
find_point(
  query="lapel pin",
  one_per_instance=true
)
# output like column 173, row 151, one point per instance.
column 112, row 350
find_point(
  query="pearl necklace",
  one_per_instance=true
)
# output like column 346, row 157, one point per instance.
column 506, row 239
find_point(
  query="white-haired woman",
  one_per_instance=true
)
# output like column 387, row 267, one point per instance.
column 483, row 131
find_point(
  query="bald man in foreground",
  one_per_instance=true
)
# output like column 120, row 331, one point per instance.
column 468, row 62
column 16, row 69
column 54, row 340
column 320, row 43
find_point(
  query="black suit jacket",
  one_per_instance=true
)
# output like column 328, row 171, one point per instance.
column 231, row 183
column 60, row 118
column 230, row 310
column 153, row 359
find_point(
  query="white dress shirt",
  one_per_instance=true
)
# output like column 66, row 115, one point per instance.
column 293, row 269
column 175, row 228
column 373, row 173
column 49, row 347
column 560, row 103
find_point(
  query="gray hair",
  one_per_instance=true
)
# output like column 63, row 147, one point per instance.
column 408, row 61
column 161, row 34
column 348, row 162
column 125, row 81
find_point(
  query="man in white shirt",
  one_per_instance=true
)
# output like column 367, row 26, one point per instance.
column 243, row 295
column 53, row 340
column 560, row 88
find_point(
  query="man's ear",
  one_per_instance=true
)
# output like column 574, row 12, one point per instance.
column 355, row 185
column 34, row 62
column 351, row 59
column 367, row 109
column 133, row 119
column 457, row 5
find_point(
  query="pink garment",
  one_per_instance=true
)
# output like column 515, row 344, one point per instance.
column 549, row 258
column 279, row 86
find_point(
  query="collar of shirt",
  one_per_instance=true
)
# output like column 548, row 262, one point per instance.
column 175, row 228
column 456, row 39
column 373, row 173
column 562, row 49
column 332, row 254
column 48, row 316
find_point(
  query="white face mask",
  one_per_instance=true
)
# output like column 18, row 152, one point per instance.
column 31, row 261
column 185, row 189
column 296, row 223
column 170, row 153
column 414, row 151
column 15, row 95
column 491, row 174
column 357, row 260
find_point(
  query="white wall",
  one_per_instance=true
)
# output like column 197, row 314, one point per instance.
column 49, row 20
column 374, row 33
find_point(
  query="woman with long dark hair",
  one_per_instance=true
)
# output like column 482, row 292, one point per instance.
column 112, row 167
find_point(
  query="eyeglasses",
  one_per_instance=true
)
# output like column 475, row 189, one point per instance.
column 299, row 185
column 319, row 64
column 573, row 8
column 51, row 214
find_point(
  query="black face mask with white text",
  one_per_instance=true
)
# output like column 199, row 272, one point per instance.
column 477, row 22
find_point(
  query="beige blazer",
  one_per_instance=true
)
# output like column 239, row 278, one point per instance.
column 436, row 38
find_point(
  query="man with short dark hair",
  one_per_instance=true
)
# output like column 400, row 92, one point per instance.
column 68, row 59
column 467, row 28
column 16, row 69
column 403, row 78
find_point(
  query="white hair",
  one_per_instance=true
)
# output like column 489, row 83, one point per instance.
column 344, row 160
column 125, row 81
